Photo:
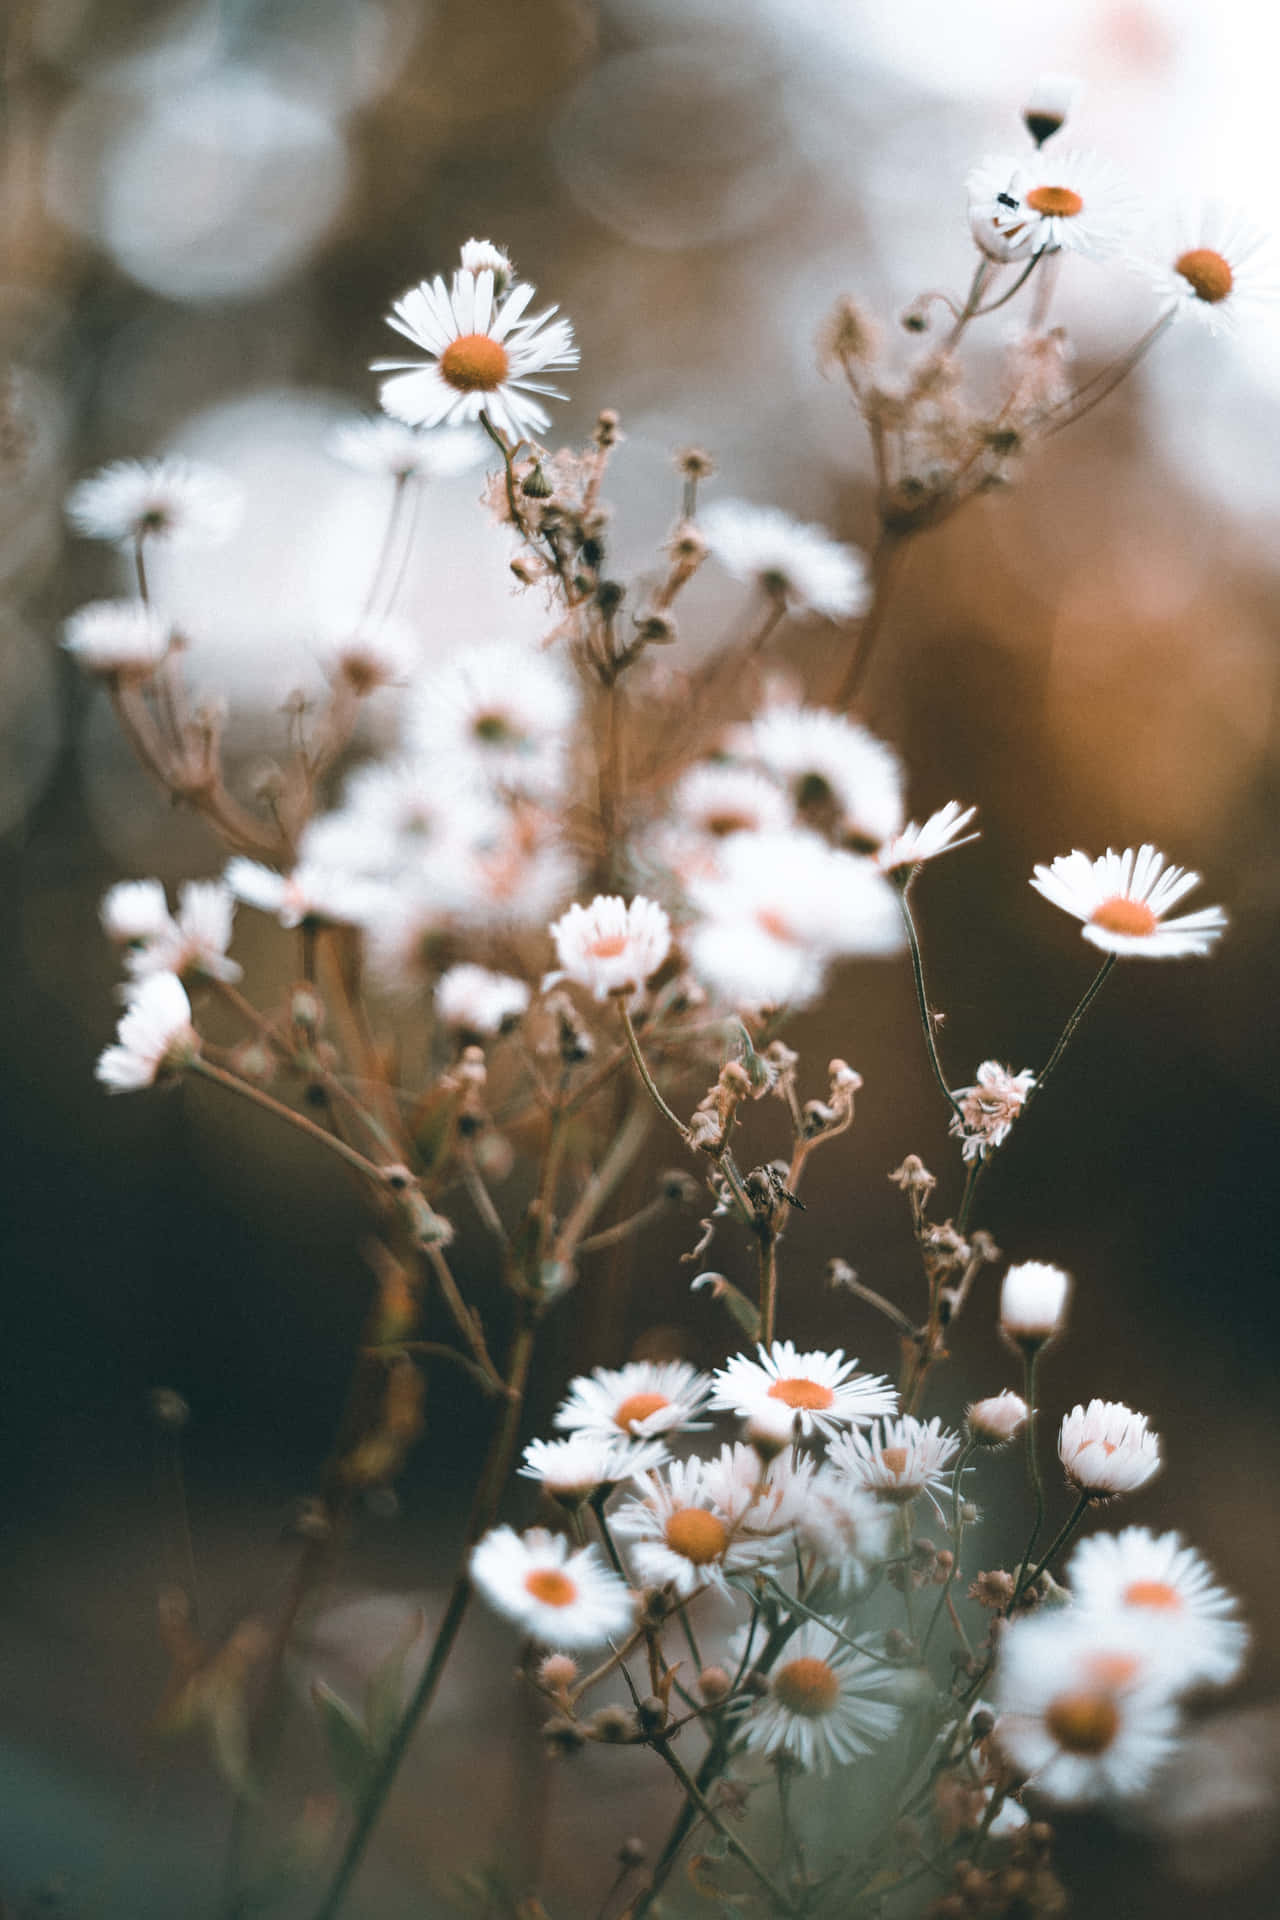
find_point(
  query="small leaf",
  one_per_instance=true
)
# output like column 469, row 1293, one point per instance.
column 350, row 1752
column 384, row 1700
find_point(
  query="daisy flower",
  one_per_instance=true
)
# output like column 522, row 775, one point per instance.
column 718, row 800
column 825, row 1703
column 155, row 1036
column 836, row 772
column 1084, row 1708
column 134, row 910
column 117, row 637
column 1033, row 1303
column 1065, row 199
column 682, row 1536
column 997, row 1420
column 561, row 1598
column 941, row 833
column 310, row 892
column 1122, row 899
column 898, row 1460
column 483, row 353
column 643, row 1399
column 477, row 1002
column 1107, row 1449
column 1157, row 1577
column 989, row 1109
column 477, row 256
column 1219, row 267
column 401, row 452
column 613, row 945
column 824, row 1389
column 498, row 715
column 195, row 943
column 798, row 565
column 762, row 1499
column 571, row 1470
column 181, row 502
column 844, row 1527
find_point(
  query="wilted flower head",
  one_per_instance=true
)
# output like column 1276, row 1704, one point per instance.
column 181, row 502
column 989, row 1109
column 1106, row 1449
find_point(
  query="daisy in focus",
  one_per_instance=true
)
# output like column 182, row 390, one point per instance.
column 941, row 832
column 1071, row 200
column 640, row 1400
column 825, row 1703
column 561, row 1598
column 1219, row 268
column 824, row 1390
column 801, row 567
column 1106, row 1449
column 612, row 946
column 155, row 1036
column 180, row 502
column 681, row 1535
column 1157, row 1578
column 898, row 1460
column 1122, row 900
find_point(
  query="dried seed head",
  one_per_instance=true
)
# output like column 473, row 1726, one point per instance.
column 613, row 1725
column 563, row 1735
column 557, row 1672
column 606, row 433
column 849, row 333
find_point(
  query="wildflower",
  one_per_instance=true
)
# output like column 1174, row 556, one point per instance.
column 480, row 256
column 762, row 1499
column 1084, row 1710
column 1106, row 1449
column 478, row 1002
column 799, row 566
column 195, row 943
column 642, row 1399
column 898, row 1460
column 134, row 911
column 311, row 893
column 989, row 1109
column 844, row 1527
column 939, row 834
column 825, row 1703
column 823, row 1388
column 836, row 772
column 181, row 502
column 719, row 800
column 1070, row 200
column 499, row 716
column 571, row 1470
column 1220, row 267
column 995, row 1421
column 483, row 355
column 563, row 1599
column 401, row 452
column 681, row 1534
column 1157, row 1578
column 1050, row 100
column 1122, row 899
column 122, row 637
column 1033, row 1303
column 380, row 653
column 155, row 1036
column 612, row 946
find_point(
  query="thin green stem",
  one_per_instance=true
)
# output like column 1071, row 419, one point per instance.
column 1069, row 1031
column 780, row 1903
column 957, row 1536
column 927, row 1017
column 768, row 1284
column 1031, row 1357
column 1061, row 1538
column 650, row 1086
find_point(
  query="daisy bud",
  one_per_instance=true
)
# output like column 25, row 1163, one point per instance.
column 606, row 433
column 994, row 1422
column 613, row 1725
column 1048, row 104
column 557, row 1672
column 714, row 1685
column 563, row 1736
column 1033, row 1304
column 652, row 1714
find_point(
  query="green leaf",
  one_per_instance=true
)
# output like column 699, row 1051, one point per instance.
column 384, row 1700
column 350, row 1753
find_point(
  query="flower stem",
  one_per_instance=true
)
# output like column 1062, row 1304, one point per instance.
column 1068, row 1032
column 927, row 1017
column 1062, row 1536
column 645, row 1075
column 208, row 1071
column 1030, row 1361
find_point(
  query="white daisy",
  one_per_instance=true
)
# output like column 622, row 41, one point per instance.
column 117, row 637
column 1122, row 899
column 573, row 1469
column 1084, row 1707
column 181, row 502
column 1062, row 199
column 194, row 945
column 380, row 653
column 480, row 256
column 824, row 1389
column 995, row 1421
column 715, row 801
column 484, row 354
column 409, row 809
column 1156, row 1576
column 1106, row 1449
column 763, row 1499
column 1033, row 1303
column 499, row 715
column 839, row 776
column 561, row 1598
column 134, row 910
column 643, row 1399
column 155, row 1036
column 825, row 1703
column 525, row 875
column 401, row 452
column 612, row 946
column 681, row 1536
column 941, row 833
column 845, row 1528
column 989, row 1109
column 310, row 893
column 476, row 1001
column 1219, row 268
column 898, row 1460
column 798, row 564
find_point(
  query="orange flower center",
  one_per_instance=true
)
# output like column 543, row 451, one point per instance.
column 474, row 363
column 1059, row 201
column 638, row 1407
column 1206, row 273
column 1084, row 1723
column 809, row 1394
column 696, row 1535
column 807, row 1686
column 1119, row 915
column 895, row 1459
column 1114, row 1669
column 1152, row 1593
column 551, row 1587
column 770, row 921
column 608, row 946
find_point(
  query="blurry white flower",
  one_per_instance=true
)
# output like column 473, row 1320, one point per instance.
column 379, row 653
column 561, row 1598
column 402, row 813
column 844, row 1527
column 1033, row 1302
column 801, row 565
column 1106, row 1449
column 612, row 946
column 837, row 773
column 823, row 1389
column 571, row 1470
column 898, row 1460
column 477, row 1001
column 155, row 1035
column 484, row 354
column 1122, row 899
column 1219, row 268
column 1157, row 1577
column 116, row 636
column 825, row 1703
column 311, row 892
column 989, row 1109
column 681, row 1535
column 998, row 1419
column 497, row 714
column 134, row 910
column 642, row 1399
column 194, row 945
column 404, row 453
column 181, row 502
column 717, row 800
column 760, row 1498
column 941, row 832
column 481, row 256
column 1062, row 199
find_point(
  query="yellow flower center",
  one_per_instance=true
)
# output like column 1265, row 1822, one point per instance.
column 696, row 1535
column 551, row 1587
column 1049, row 202
column 1206, row 273
column 474, row 363
column 807, row 1686
column 1084, row 1723
column 1119, row 915
column 1152, row 1593
column 638, row 1407
column 809, row 1394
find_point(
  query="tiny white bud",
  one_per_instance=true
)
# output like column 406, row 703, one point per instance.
column 1033, row 1303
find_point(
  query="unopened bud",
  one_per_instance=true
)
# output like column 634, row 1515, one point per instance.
column 606, row 433
column 1033, row 1304
column 652, row 1714
column 557, row 1672
column 1048, row 104
column 613, row 1725
column 996, row 1421
column 714, row 1684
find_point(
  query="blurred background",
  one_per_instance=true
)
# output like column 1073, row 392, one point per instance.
column 207, row 210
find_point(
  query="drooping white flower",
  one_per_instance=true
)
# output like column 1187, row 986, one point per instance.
column 483, row 356
column 1073, row 200
column 498, row 715
column 838, row 774
column 1122, row 900
column 941, row 833
column 1106, row 1449
column 794, row 563
column 995, row 1421
column 989, row 1109
column 825, row 1703
column 898, row 1460
column 1219, row 268
column 844, row 1528
column 642, row 1399
column 194, row 945
column 117, row 637
column 403, row 452
column 1050, row 100
column 183, row 503
column 1033, row 1302
column 824, row 1389
column 154, row 1036
column 476, row 1001
column 613, row 945
column 573, row 1469
column 1158, row 1577
column 680, row 1534
column 561, row 1598
column 134, row 910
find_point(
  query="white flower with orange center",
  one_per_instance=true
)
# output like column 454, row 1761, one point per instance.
column 1122, row 900
column 639, row 1401
column 155, row 1036
column 484, row 356
column 898, row 1460
column 1085, row 1705
column 941, row 833
column 1156, row 1578
column 1106, row 1449
column 1072, row 200
column 840, row 777
column 1219, row 267
column 682, row 1536
column 477, row 1003
column 800, row 566
column 563, row 1599
column 715, row 801
column 989, row 1108
column 611, row 946
column 497, row 716
column 573, row 1469
column 824, row 1390
column 825, row 1703
column 180, row 502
